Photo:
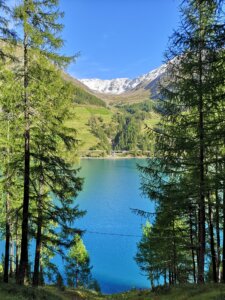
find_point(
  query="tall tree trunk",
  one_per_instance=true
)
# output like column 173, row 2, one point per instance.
column 174, row 256
column 37, row 251
column 212, row 243
column 192, row 246
column 7, row 241
column 11, row 262
column 41, row 275
column 217, row 219
column 201, row 233
column 36, row 275
column 223, row 260
column 17, row 247
column 170, row 276
column 23, row 269
column 7, row 211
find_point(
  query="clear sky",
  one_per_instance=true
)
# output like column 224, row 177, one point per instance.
column 117, row 38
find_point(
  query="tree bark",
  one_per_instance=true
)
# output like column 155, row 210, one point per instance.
column 201, row 234
column 192, row 247
column 11, row 262
column 17, row 247
column 37, row 251
column 23, row 268
column 217, row 217
column 223, row 260
column 36, row 275
column 7, row 242
column 212, row 243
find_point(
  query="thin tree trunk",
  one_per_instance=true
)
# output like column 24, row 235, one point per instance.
column 17, row 247
column 36, row 275
column 174, row 256
column 170, row 277
column 23, row 269
column 7, row 212
column 11, row 263
column 192, row 247
column 217, row 219
column 201, row 234
column 223, row 260
column 37, row 251
column 7, row 242
column 212, row 243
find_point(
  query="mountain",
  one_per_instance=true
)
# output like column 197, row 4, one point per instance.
column 120, row 86
column 108, row 112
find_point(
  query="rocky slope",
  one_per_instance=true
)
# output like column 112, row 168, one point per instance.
column 120, row 86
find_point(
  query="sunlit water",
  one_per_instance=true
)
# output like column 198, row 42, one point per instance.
column 111, row 190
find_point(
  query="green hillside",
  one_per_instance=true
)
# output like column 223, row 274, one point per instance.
column 101, row 130
column 82, row 114
column 107, row 123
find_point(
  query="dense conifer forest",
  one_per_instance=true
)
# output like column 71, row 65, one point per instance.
column 183, row 241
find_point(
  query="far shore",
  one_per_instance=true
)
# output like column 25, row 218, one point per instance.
column 115, row 157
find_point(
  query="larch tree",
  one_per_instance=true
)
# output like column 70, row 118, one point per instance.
column 38, row 21
column 191, row 128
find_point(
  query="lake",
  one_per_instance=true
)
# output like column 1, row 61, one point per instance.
column 111, row 189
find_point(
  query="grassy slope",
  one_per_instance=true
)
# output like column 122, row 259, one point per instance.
column 126, row 98
column 189, row 292
column 92, row 104
column 82, row 113
column 80, row 123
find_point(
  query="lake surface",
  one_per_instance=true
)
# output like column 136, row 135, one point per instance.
column 111, row 189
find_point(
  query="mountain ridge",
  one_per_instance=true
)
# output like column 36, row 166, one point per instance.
column 119, row 86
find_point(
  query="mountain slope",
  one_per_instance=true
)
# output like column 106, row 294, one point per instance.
column 120, row 86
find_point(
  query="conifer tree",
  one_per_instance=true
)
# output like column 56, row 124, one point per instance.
column 7, row 38
column 191, row 128
column 51, row 171
column 40, row 30
column 78, row 264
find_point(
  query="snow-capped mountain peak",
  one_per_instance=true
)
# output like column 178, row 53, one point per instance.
column 121, row 85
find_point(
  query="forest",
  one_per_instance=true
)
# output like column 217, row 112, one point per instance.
column 183, row 241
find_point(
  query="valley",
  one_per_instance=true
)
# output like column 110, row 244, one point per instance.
column 113, row 116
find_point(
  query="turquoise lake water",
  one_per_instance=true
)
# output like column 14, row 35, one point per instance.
column 111, row 190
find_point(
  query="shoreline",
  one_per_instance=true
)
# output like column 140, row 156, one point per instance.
column 116, row 157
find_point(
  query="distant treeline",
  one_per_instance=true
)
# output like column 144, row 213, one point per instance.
column 126, row 131
column 83, row 97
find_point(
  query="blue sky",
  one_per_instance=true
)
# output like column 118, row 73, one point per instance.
column 117, row 38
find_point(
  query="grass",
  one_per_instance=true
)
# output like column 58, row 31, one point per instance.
column 184, row 292
column 138, row 96
column 81, row 115
column 80, row 123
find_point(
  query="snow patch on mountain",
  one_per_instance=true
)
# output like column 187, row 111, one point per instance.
column 121, row 85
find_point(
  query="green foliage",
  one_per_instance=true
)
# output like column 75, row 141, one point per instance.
column 184, row 177
column 99, row 129
column 83, row 97
column 77, row 269
column 127, row 135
